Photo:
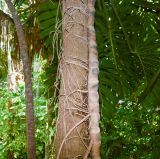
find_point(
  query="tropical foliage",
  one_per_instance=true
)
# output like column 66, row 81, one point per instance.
column 128, row 40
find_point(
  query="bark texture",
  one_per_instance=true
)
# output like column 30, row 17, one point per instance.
column 28, row 84
column 93, row 96
column 72, row 137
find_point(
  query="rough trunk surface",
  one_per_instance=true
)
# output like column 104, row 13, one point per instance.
column 72, row 137
column 93, row 96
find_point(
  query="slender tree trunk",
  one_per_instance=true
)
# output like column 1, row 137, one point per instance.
column 72, row 137
column 8, row 48
column 93, row 96
column 10, row 154
column 28, row 84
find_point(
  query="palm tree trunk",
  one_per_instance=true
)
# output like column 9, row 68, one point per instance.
column 31, row 150
column 72, row 136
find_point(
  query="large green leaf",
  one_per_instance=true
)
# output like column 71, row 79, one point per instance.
column 47, row 16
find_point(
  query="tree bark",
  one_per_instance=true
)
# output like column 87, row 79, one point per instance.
column 10, row 153
column 93, row 96
column 72, row 136
column 31, row 150
column 8, row 48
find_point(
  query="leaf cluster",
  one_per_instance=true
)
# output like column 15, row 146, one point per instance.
column 128, row 44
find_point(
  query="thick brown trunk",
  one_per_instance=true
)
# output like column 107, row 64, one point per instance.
column 28, row 84
column 72, row 137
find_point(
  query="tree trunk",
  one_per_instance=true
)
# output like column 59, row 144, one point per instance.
column 72, row 137
column 8, row 48
column 93, row 96
column 31, row 151
column 10, row 153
